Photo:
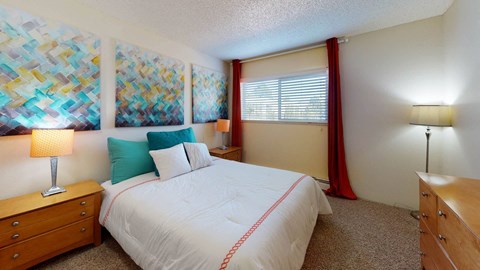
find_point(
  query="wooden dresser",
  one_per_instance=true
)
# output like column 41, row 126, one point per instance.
column 231, row 153
column 34, row 229
column 449, row 222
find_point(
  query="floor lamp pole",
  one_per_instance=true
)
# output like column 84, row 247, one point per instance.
column 416, row 214
column 427, row 134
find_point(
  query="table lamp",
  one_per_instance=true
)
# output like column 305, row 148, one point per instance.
column 52, row 143
column 223, row 125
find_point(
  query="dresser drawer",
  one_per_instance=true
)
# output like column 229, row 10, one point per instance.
column 462, row 245
column 428, row 207
column 23, row 252
column 431, row 251
column 61, row 219
column 427, row 259
column 16, row 223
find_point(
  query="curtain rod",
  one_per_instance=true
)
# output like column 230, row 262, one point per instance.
column 340, row 40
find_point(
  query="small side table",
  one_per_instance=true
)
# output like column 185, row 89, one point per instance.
column 231, row 153
column 34, row 229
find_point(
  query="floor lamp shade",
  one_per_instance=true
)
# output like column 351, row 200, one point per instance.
column 431, row 115
column 52, row 143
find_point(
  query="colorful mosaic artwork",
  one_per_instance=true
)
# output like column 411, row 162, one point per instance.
column 49, row 75
column 150, row 88
column 209, row 95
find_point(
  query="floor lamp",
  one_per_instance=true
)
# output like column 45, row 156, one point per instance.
column 430, row 116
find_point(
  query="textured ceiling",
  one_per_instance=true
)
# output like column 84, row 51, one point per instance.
column 229, row 29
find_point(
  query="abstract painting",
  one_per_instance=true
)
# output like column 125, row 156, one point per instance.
column 209, row 92
column 150, row 88
column 49, row 75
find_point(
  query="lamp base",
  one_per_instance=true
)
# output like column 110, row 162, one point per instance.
column 415, row 214
column 53, row 190
column 223, row 147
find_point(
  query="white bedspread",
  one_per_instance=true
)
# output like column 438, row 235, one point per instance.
column 194, row 220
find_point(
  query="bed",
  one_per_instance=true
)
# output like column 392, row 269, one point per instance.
column 229, row 215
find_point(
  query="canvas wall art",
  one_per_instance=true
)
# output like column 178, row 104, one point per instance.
column 49, row 75
column 150, row 88
column 209, row 93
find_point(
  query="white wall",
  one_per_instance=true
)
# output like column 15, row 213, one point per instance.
column 383, row 73
column 462, row 71
column 20, row 174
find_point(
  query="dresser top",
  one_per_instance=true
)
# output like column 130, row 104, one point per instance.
column 462, row 195
column 29, row 202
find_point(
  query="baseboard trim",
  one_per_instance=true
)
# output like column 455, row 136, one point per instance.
column 324, row 184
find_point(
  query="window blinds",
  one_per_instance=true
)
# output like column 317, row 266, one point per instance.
column 293, row 98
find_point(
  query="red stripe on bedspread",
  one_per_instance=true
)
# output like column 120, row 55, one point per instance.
column 111, row 204
column 257, row 224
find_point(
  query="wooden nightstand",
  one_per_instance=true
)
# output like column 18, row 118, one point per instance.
column 231, row 153
column 34, row 229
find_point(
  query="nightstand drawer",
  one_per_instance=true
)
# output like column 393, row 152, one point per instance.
column 233, row 156
column 61, row 219
column 76, row 207
column 231, row 153
column 18, row 254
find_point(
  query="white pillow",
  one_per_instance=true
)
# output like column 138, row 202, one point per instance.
column 198, row 155
column 171, row 162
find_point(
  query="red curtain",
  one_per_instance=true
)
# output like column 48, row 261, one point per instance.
column 236, row 104
column 337, row 166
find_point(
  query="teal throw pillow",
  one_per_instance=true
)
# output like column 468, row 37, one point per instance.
column 128, row 159
column 167, row 139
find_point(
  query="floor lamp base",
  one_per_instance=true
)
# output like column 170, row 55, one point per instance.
column 415, row 214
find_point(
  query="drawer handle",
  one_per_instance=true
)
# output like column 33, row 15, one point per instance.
column 83, row 213
column 441, row 213
column 422, row 231
column 15, row 256
column 441, row 237
column 83, row 203
column 83, row 229
column 422, row 254
column 425, row 194
column 424, row 215
column 15, row 236
column 15, row 223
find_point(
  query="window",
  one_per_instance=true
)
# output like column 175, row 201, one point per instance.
column 290, row 99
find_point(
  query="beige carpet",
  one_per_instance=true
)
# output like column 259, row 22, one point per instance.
column 359, row 235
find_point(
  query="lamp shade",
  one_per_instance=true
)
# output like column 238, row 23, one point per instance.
column 431, row 115
column 51, row 142
column 223, row 125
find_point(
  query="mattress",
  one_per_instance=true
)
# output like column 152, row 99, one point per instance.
column 229, row 215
